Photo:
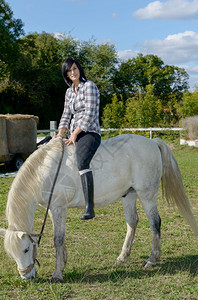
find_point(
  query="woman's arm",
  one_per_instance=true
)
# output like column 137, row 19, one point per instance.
column 66, row 115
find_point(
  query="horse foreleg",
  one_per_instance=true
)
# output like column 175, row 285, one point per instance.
column 154, row 219
column 58, row 216
column 131, row 216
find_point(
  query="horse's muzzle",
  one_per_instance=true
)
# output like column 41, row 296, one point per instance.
column 29, row 276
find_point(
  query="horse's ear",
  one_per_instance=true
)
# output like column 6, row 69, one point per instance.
column 2, row 232
column 21, row 234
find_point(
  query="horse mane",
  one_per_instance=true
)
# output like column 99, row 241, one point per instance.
column 23, row 194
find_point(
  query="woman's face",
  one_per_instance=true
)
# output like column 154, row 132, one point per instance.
column 74, row 74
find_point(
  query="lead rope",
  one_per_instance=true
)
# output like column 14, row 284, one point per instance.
column 51, row 193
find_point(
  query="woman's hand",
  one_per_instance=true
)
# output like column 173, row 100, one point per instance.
column 73, row 137
column 57, row 136
column 71, row 140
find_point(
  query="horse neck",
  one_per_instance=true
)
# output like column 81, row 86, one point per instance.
column 26, row 188
column 21, row 208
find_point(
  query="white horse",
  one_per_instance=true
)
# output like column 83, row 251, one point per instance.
column 127, row 167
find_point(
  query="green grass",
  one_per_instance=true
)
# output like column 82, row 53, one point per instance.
column 93, row 247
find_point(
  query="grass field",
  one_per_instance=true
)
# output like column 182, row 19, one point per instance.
column 93, row 247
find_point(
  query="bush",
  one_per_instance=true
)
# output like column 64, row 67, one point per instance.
column 113, row 114
column 144, row 109
column 189, row 105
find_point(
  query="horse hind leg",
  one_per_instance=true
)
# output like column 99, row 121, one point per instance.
column 150, row 208
column 131, row 216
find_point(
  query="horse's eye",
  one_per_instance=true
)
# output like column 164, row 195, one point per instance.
column 26, row 250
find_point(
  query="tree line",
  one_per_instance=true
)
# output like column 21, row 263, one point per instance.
column 141, row 91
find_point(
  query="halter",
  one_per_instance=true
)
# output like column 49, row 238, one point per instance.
column 25, row 271
column 28, row 269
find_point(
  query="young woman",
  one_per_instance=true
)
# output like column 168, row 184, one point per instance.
column 81, row 117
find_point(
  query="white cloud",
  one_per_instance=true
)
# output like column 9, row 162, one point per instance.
column 191, row 70
column 60, row 35
column 174, row 49
column 178, row 49
column 171, row 9
column 127, row 54
column 193, row 81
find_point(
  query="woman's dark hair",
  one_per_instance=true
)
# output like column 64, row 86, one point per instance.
column 67, row 64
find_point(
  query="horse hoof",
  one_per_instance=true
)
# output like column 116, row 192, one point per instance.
column 119, row 262
column 148, row 265
column 56, row 280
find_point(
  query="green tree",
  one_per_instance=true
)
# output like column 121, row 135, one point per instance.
column 36, row 85
column 137, row 73
column 150, row 108
column 144, row 109
column 31, row 80
column 113, row 114
column 99, row 62
column 131, row 118
column 10, row 31
column 189, row 105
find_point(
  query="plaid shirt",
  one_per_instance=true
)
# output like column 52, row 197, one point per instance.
column 84, row 106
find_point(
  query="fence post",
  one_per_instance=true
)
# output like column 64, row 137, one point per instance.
column 151, row 134
column 53, row 128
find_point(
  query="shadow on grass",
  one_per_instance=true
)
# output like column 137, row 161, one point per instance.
column 188, row 263
column 171, row 266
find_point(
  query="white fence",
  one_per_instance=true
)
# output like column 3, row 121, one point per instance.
column 144, row 129
column 53, row 129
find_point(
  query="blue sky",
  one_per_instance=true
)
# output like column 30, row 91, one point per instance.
column 167, row 28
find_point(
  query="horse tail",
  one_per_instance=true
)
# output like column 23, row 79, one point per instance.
column 172, row 186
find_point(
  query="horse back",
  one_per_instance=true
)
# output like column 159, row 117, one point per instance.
column 126, row 161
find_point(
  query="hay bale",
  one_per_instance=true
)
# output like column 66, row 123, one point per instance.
column 3, row 140
column 19, row 117
column 191, row 126
column 21, row 133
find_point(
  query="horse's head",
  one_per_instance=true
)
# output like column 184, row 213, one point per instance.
column 22, row 248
